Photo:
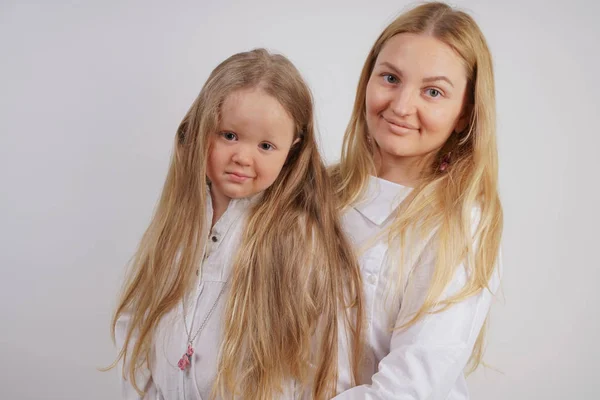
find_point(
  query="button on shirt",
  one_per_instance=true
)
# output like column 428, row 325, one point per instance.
column 425, row 361
column 166, row 381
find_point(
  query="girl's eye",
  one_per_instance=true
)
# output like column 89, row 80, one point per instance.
column 229, row 136
column 433, row 92
column 390, row 78
column 266, row 146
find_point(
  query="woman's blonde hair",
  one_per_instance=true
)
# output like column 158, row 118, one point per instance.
column 294, row 269
column 443, row 200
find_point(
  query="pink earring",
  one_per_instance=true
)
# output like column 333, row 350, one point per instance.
column 445, row 162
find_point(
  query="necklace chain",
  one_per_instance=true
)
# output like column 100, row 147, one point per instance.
column 212, row 309
column 214, row 306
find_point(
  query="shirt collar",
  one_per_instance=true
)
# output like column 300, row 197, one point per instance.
column 381, row 199
column 235, row 210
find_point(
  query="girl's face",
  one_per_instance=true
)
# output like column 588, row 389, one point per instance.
column 415, row 96
column 251, row 144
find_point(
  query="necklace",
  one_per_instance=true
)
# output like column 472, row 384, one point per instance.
column 186, row 359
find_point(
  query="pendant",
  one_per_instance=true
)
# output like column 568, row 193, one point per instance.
column 186, row 358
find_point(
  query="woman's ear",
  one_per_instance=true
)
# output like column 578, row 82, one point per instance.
column 465, row 117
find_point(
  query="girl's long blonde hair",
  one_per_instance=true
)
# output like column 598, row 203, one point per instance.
column 443, row 200
column 294, row 270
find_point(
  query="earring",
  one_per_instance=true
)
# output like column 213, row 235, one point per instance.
column 445, row 162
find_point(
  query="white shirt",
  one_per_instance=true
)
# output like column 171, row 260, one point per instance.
column 427, row 360
column 166, row 381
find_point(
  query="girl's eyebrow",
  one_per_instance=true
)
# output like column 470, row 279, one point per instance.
column 266, row 136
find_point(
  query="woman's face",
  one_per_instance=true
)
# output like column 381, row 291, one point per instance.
column 415, row 96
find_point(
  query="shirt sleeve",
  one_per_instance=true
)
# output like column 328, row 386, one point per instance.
column 426, row 359
column 143, row 378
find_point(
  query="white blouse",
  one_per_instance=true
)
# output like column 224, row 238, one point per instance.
column 166, row 381
column 425, row 361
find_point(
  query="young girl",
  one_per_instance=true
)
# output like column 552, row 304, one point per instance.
column 244, row 257
column 418, row 176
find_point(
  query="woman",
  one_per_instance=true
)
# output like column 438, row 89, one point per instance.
column 418, row 182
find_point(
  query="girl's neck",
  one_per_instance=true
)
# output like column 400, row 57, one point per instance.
column 220, row 202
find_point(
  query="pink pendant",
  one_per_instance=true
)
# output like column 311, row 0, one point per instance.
column 186, row 358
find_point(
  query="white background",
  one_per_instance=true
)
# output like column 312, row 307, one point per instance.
column 91, row 93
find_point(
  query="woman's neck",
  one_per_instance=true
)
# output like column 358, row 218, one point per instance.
column 405, row 171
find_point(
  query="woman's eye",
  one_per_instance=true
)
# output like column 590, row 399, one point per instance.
column 433, row 92
column 266, row 146
column 390, row 78
column 229, row 136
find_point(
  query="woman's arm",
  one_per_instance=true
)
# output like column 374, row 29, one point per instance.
column 426, row 359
